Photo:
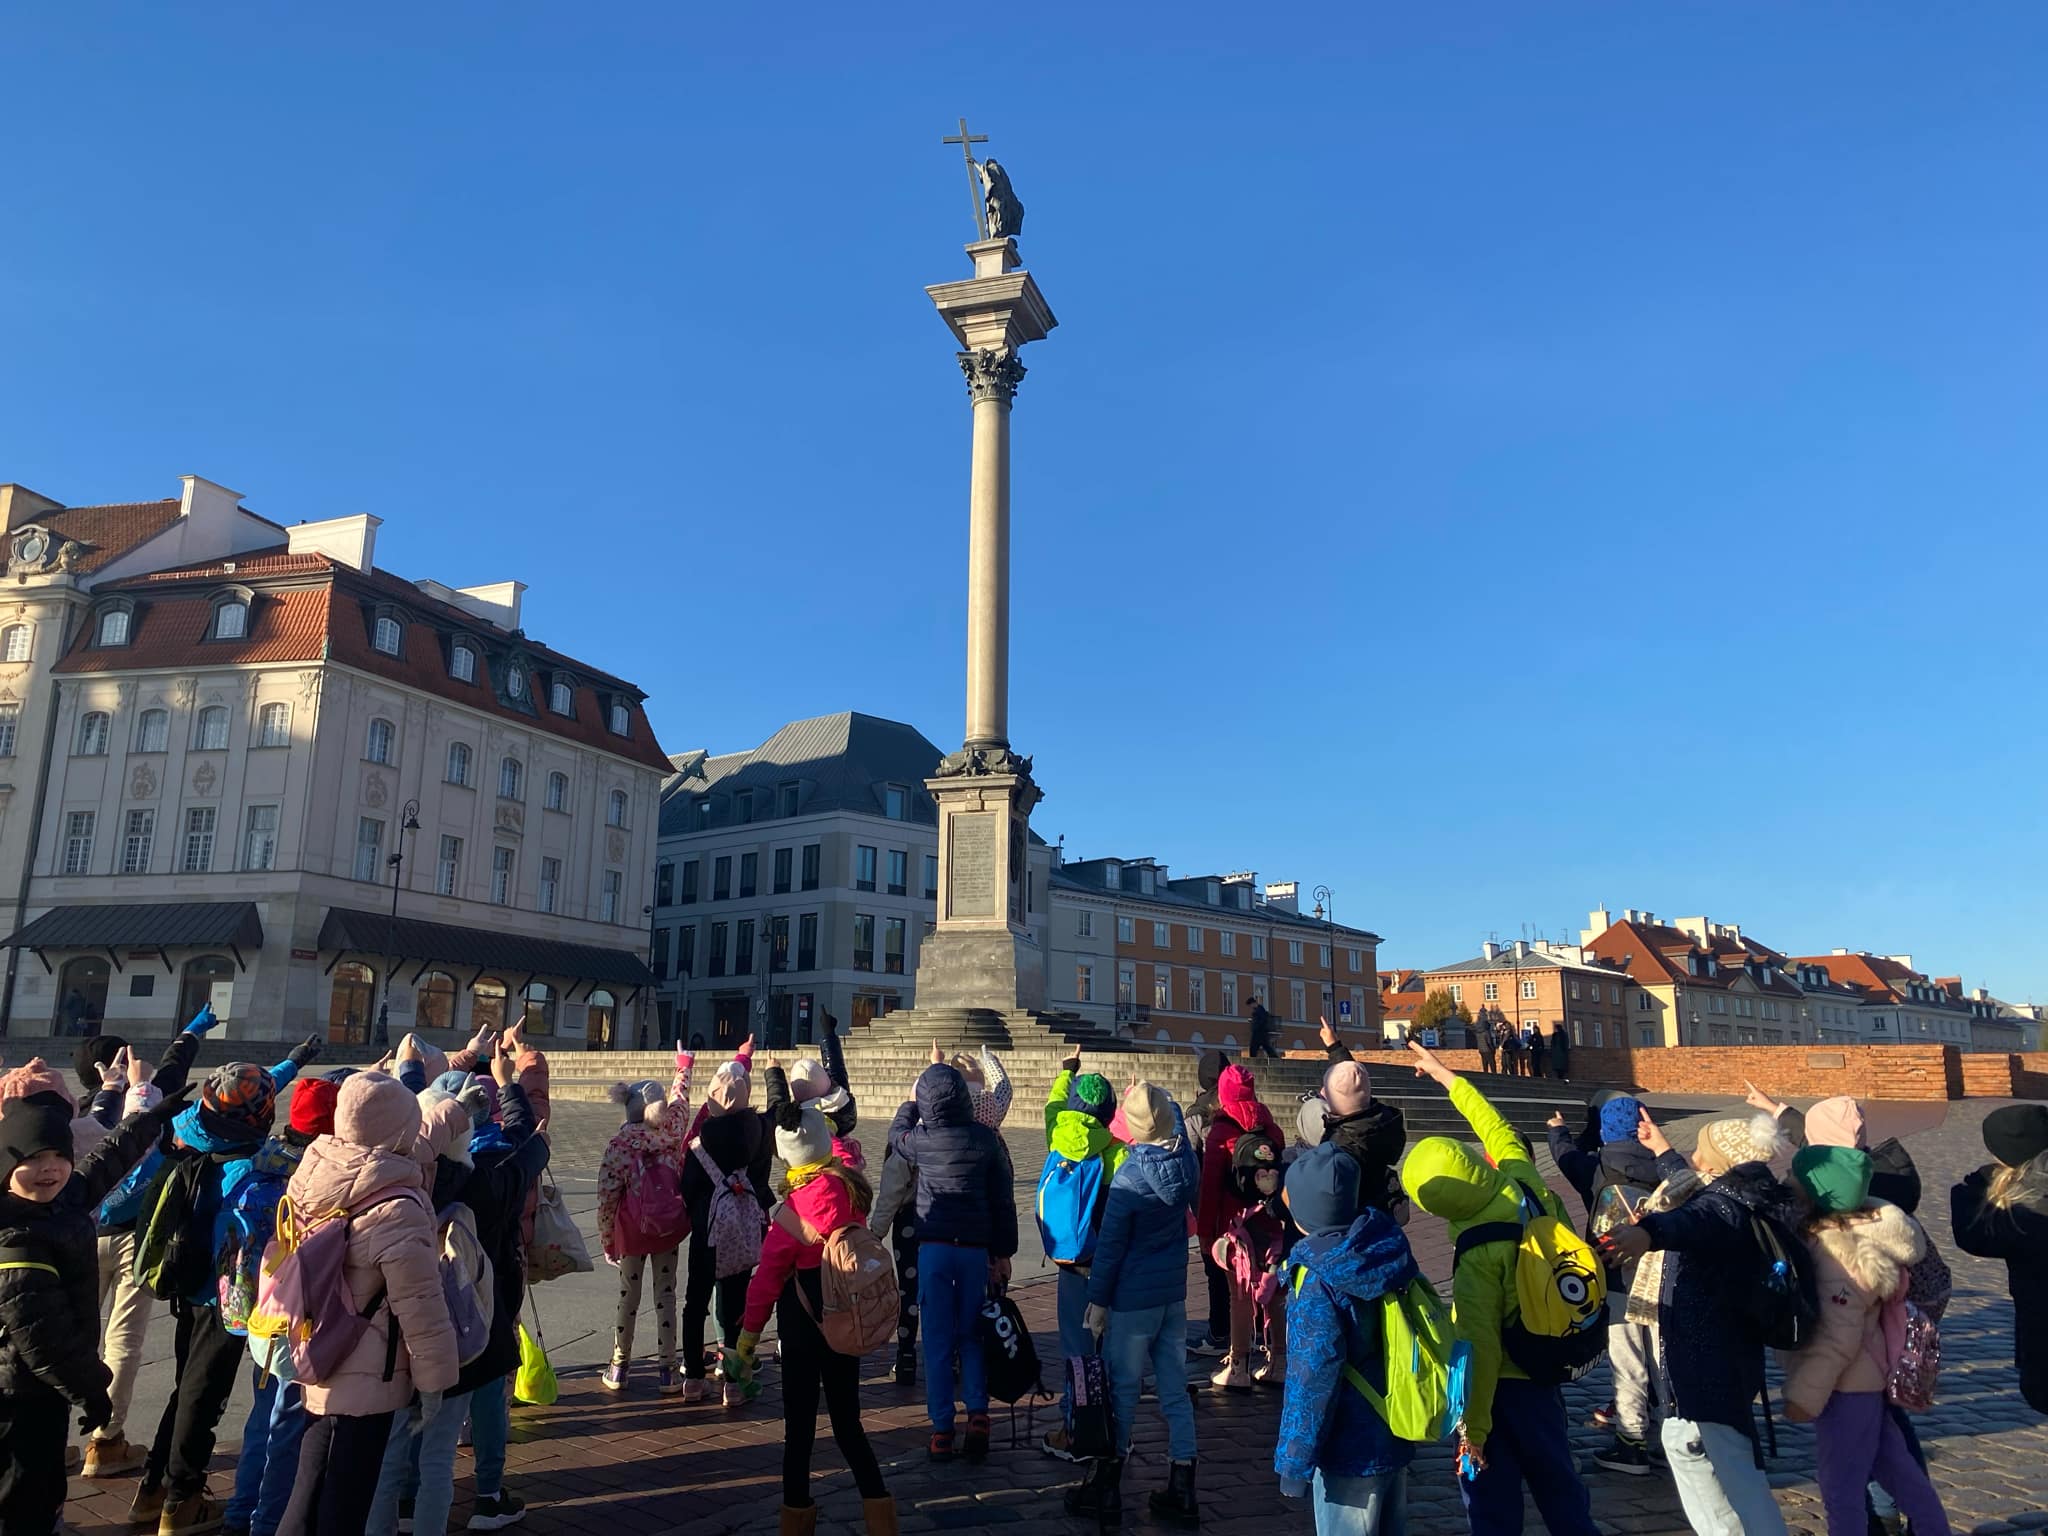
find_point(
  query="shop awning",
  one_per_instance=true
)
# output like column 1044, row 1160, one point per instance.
column 512, row 955
column 157, row 925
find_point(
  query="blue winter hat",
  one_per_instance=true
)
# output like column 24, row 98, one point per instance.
column 1322, row 1189
column 1092, row 1095
column 1619, row 1118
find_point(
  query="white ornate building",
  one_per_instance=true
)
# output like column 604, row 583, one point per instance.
column 215, row 728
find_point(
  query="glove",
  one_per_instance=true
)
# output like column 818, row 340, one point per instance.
column 1293, row 1488
column 1097, row 1319
column 202, row 1021
column 307, row 1050
column 96, row 1412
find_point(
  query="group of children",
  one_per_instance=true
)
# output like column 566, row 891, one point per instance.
column 1778, row 1230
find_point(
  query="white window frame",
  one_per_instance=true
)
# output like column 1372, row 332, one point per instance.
column 195, row 849
column 621, row 721
column 380, row 747
column 388, row 636
column 374, row 849
column 459, row 759
column 78, row 833
column 205, row 739
column 260, row 855
column 1084, row 982
column 1490, row 992
column 1194, row 941
column 1162, row 936
column 1528, row 991
column 462, row 664
column 511, row 779
column 1226, row 944
column 615, row 808
column 274, row 725
column 138, row 838
column 19, row 643
column 558, row 792
column 1198, row 992
column 561, row 698
column 1294, row 951
column 1162, row 988
column 113, row 627
column 610, row 894
column 448, row 866
column 1229, row 996
column 10, row 727
column 1126, row 930
column 95, row 731
column 550, row 884
column 503, row 864
column 239, row 630
column 1084, row 924
column 1258, row 946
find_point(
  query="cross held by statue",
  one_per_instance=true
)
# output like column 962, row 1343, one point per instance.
column 967, row 141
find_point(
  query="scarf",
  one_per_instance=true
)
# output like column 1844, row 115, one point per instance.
column 1648, row 1289
column 803, row 1173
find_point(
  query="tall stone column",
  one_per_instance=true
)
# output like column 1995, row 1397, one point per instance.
column 992, row 380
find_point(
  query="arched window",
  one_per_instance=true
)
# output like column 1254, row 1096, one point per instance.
column 231, row 620
column 16, row 643
column 196, row 984
column 462, row 664
column 81, row 996
column 558, row 791
column 515, row 682
column 378, row 748
column 93, row 732
column 487, row 1005
column 602, row 1022
column 352, row 1003
column 153, row 731
column 387, row 635
column 434, row 1001
column 274, row 726
column 615, row 809
column 562, row 698
column 622, row 720
column 458, row 762
column 211, row 732
column 114, row 627
column 538, row 1008
column 510, row 779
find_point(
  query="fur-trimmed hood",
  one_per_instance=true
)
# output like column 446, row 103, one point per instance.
column 1874, row 1246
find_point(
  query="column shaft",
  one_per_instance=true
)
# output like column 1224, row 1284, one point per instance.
column 988, row 576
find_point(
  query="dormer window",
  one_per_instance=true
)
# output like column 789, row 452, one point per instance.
column 231, row 620
column 113, row 627
column 562, row 696
column 622, row 720
column 387, row 634
column 462, row 663
column 1112, row 877
column 515, row 682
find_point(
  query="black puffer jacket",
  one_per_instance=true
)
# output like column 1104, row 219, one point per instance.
column 2017, row 1233
column 965, row 1192
column 1375, row 1137
column 738, row 1142
column 49, row 1289
column 495, row 1191
column 1712, row 1356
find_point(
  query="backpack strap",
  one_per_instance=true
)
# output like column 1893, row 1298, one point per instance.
column 1485, row 1232
column 18, row 1258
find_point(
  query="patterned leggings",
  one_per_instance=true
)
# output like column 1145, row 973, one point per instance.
column 630, row 1269
column 903, row 1240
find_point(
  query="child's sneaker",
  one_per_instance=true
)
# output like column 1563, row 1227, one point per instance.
column 614, row 1377
column 192, row 1515
column 1624, row 1455
column 1272, row 1371
column 941, row 1447
column 737, row 1396
column 695, row 1389
column 1236, row 1376
column 976, row 1446
column 1209, row 1347
column 493, row 1512
column 667, row 1382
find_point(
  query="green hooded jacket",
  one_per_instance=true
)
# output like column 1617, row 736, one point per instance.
column 1078, row 1137
column 1446, row 1179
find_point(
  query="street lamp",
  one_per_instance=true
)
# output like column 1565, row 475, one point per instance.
column 1326, row 904
column 408, row 821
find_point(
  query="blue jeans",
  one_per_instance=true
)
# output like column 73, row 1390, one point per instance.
column 490, row 1431
column 1362, row 1506
column 952, row 1283
column 1158, row 1335
column 1722, row 1489
column 270, row 1455
column 1075, row 1340
column 419, row 1464
column 1528, row 1446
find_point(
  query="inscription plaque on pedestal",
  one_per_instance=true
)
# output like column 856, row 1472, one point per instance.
column 971, row 867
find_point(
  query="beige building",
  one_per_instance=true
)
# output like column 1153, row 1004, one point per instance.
column 265, row 774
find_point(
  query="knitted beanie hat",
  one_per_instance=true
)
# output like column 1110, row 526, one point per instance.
column 1834, row 1178
column 238, row 1102
column 1347, row 1088
column 375, row 1111
column 637, row 1098
column 313, row 1100
column 730, row 1087
column 1726, row 1144
column 801, row 1135
column 1836, row 1122
column 37, row 1077
column 1619, row 1118
column 28, row 1125
column 1322, row 1189
column 1148, row 1115
column 808, row 1080
column 1313, row 1122
column 1092, row 1095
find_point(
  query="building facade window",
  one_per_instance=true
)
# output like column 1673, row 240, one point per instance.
column 813, row 852
column 786, row 797
column 274, row 726
column 369, row 849
column 1457, row 992
column 1226, row 944
column 863, row 868
column 501, row 877
column 17, row 643
column 230, row 621
column 1323, row 956
column 1230, row 997
column 1162, row 936
column 615, row 809
column 1084, row 982
column 550, row 884
column 895, row 804
column 1297, row 1002
column 558, row 792
column 750, row 867
column 665, row 883
column 448, row 868
column 114, row 627
column 1162, row 986
column 743, row 947
column 688, row 895
column 458, row 762
column 1194, row 940
column 1258, row 946
column 136, row 842
column 1529, row 989
column 778, row 943
column 807, row 942
column 1126, row 930
column 10, row 724
column 259, row 838
column 1084, row 924
column 863, row 942
column 434, row 1001
column 1197, row 993
column 785, row 860
column 387, row 635
column 714, row 963
column 622, row 720
column 78, row 828
column 1294, row 951
column 931, row 877
column 899, row 872
column 487, row 1004
column 892, row 945
column 378, row 747
column 562, row 698
column 1126, row 986
column 199, row 830
column 657, row 956
column 1357, row 960
column 462, row 664
column 721, row 878
column 537, row 1009
column 511, row 780
column 608, row 896
column 686, row 950
column 93, row 731
column 1491, row 992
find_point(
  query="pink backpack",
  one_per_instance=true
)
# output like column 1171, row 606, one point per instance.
column 1912, row 1346
column 735, row 1223
column 652, row 1217
column 303, row 1292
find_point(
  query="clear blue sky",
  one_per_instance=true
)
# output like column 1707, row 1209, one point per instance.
column 1494, row 459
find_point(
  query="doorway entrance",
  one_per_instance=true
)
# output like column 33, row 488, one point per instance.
column 348, row 1007
column 601, row 1023
column 729, row 1024
column 195, row 988
column 81, row 997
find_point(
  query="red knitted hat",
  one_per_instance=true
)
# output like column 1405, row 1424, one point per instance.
column 313, row 1101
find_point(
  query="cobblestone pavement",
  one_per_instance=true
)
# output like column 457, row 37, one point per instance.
column 639, row 1464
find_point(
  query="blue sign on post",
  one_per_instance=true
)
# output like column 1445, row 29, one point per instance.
column 1344, row 1009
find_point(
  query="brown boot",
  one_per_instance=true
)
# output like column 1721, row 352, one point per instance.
column 117, row 1457
column 799, row 1522
column 147, row 1507
column 192, row 1514
column 880, row 1515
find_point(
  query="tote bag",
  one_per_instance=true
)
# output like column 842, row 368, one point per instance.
column 558, row 1247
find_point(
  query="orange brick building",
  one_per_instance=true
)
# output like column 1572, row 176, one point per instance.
column 1191, row 956
column 1545, row 986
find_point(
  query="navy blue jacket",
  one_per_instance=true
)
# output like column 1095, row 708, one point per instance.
column 1141, row 1253
column 965, row 1191
column 1714, row 1360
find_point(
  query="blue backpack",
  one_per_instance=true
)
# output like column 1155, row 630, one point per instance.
column 1070, row 1202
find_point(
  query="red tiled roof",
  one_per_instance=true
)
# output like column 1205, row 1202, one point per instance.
column 1872, row 974
column 111, row 529
column 1400, row 981
column 311, row 607
column 1657, row 954
column 1400, row 1005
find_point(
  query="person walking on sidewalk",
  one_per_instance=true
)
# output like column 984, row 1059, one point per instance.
column 1081, row 1156
column 966, row 1217
column 1137, row 1305
column 1262, row 1031
column 1514, row 1432
column 825, row 1196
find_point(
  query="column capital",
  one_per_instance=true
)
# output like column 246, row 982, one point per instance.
column 992, row 374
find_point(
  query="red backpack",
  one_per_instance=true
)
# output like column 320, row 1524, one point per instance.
column 652, row 1217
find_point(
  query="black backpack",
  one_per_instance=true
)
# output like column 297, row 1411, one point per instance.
column 1008, row 1352
column 1780, row 1301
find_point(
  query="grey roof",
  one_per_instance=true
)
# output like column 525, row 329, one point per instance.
column 355, row 932
column 143, row 925
column 1087, row 876
column 1534, row 960
column 838, row 762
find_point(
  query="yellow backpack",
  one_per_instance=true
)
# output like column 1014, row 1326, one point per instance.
column 1556, row 1323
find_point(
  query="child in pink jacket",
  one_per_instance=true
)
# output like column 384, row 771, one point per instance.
column 368, row 1169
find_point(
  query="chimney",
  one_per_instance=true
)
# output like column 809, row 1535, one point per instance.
column 351, row 540
column 1284, row 894
column 1489, row 950
column 497, row 604
column 1521, row 949
column 20, row 505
